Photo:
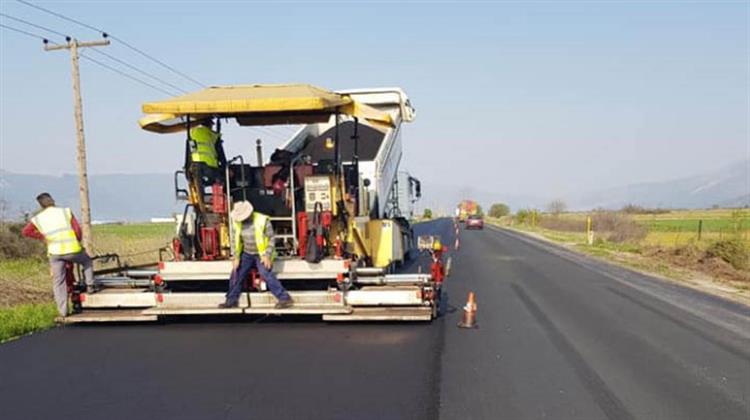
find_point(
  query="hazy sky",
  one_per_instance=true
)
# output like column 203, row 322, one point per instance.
column 543, row 98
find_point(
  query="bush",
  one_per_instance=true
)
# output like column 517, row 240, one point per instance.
column 522, row 216
column 556, row 207
column 528, row 216
column 427, row 214
column 499, row 210
column 733, row 251
column 13, row 245
column 635, row 209
column 562, row 224
column 620, row 227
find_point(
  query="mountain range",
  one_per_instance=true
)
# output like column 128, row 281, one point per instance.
column 726, row 187
column 125, row 197
column 138, row 197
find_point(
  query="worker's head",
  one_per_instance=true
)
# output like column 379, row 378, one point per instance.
column 242, row 211
column 45, row 200
column 208, row 122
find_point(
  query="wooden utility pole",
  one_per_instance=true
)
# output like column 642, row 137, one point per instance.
column 83, row 181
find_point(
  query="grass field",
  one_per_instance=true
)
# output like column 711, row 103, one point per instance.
column 680, row 228
column 26, row 304
column 135, row 243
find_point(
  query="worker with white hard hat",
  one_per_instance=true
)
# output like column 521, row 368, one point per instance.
column 254, row 248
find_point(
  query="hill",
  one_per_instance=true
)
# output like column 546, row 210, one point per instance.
column 726, row 187
column 113, row 197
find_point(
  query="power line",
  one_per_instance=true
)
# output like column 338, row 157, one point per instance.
column 267, row 132
column 121, row 41
column 21, row 31
column 35, row 25
column 58, row 15
column 132, row 67
column 165, row 65
column 110, row 56
column 122, row 73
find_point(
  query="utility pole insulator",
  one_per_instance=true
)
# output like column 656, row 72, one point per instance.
column 83, row 184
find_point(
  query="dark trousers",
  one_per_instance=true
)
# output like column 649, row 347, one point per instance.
column 247, row 263
column 205, row 175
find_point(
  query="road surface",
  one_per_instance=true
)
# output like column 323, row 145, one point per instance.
column 560, row 336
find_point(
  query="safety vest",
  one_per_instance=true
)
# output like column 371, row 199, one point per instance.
column 55, row 224
column 203, row 146
column 261, row 240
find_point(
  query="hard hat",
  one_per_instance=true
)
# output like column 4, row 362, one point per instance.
column 241, row 211
column 436, row 245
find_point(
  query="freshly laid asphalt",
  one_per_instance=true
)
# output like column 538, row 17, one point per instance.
column 560, row 336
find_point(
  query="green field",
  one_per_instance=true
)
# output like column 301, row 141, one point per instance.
column 135, row 243
column 699, row 228
column 675, row 228
column 690, row 221
column 692, row 225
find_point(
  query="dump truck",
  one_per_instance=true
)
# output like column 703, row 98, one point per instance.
column 465, row 209
column 333, row 181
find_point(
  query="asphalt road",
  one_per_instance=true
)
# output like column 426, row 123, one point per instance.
column 559, row 336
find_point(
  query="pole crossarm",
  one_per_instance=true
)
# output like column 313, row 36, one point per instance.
column 79, row 45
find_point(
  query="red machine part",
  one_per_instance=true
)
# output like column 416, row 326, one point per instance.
column 210, row 242
column 326, row 219
column 278, row 187
column 302, row 233
column 75, row 295
column 437, row 269
column 219, row 199
column 177, row 247
column 69, row 277
column 339, row 248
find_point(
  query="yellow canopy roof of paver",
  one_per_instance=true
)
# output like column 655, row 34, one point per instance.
column 256, row 105
column 250, row 99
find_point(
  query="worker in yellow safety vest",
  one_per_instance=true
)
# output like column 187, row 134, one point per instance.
column 254, row 248
column 205, row 160
column 60, row 230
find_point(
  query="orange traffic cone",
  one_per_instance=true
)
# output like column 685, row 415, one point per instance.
column 470, row 313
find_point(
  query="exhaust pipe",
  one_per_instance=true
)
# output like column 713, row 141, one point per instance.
column 259, row 152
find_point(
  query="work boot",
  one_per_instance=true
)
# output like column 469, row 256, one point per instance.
column 284, row 304
column 91, row 289
column 228, row 305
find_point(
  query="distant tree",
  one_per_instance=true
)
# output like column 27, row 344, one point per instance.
column 632, row 209
column 556, row 207
column 499, row 210
column 480, row 211
column 427, row 214
column 522, row 216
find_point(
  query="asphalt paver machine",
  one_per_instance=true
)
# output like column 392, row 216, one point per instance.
column 331, row 183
